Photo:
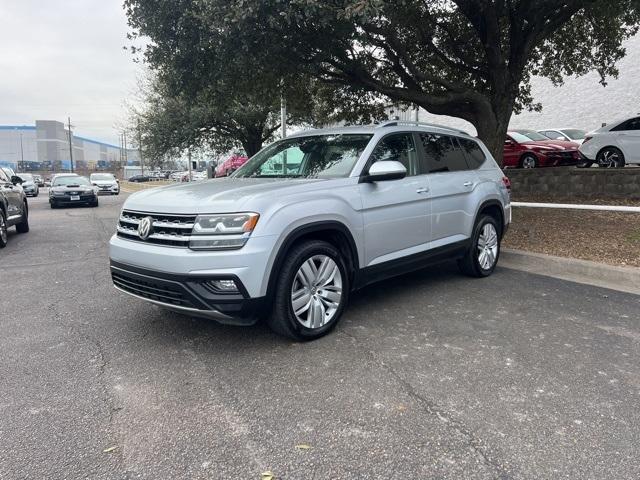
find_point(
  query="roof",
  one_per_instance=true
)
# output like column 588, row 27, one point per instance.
column 392, row 125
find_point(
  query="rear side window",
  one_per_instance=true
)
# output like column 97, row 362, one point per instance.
column 442, row 153
column 475, row 155
column 632, row 124
column 3, row 177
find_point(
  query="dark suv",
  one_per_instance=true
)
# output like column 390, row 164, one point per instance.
column 14, row 209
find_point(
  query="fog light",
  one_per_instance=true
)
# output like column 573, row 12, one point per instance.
column 225, row 286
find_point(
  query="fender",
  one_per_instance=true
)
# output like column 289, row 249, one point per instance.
column 322, row 226
column 492, row 203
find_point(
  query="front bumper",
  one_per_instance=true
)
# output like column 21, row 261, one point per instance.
column 66, row 200
column 188, row 294
column 110, row 189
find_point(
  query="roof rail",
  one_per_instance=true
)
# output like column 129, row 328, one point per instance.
column 397, row 123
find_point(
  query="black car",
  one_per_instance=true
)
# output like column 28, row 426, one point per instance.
column 72, row 190
column 139, row 178
column 14, row 209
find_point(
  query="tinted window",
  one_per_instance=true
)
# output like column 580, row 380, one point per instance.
column 442, row 153
column 3, row 177
column 633, row 124
column 398, row 147
column 475, row 155
column 69, row 180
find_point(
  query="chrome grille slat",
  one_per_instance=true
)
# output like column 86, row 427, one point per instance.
column 169, row 229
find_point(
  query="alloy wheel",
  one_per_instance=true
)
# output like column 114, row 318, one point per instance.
column 3, row 229
column 528, row 162
column 609, row 159
column 487, row 246
column 316, row 292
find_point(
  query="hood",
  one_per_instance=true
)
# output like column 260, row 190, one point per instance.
column 103, row 182
column 219, row 195
column 64, row 188
column 555, row 144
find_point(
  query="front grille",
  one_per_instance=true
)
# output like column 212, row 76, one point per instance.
column 167, row 229
column 152, row 289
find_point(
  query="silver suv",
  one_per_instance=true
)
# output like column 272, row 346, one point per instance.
column 308, row 220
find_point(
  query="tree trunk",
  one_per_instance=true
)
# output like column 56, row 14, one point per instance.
column 252, row 144
column 492, row 128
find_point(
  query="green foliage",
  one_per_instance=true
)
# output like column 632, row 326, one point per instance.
column 471, row 59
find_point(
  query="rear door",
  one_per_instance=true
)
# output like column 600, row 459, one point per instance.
column 628, row 137
column 395, row 212
column 451, row 182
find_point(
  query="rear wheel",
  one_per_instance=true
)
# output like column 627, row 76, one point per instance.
column 311, row 292
column 610, row 157
column 23, row 226
column 482, row 257
column 4, row 236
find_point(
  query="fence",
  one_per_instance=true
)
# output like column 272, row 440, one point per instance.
column 575, row 182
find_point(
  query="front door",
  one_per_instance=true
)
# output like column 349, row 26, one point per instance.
column 629, row 139
column 14, row 198
column 395, row 212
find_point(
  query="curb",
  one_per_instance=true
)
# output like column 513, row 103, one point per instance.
column 624, row 279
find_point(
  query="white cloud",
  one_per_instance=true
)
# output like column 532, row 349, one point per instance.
column 62, row 59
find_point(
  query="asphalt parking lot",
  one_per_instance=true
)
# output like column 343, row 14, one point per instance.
column 431, row 375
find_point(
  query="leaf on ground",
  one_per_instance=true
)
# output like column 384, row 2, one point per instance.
column 267, row 476
column 110, row 449
column 303, row 446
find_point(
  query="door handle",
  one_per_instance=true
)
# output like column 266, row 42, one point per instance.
column 422, row 190
column 467, row 184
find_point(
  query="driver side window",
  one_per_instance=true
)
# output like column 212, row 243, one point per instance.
column 398, row 147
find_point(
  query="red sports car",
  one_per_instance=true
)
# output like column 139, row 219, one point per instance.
column 230, row 165
column 530, row 149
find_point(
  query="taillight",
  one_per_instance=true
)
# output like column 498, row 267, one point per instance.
column 586, row 139
column 507, row 183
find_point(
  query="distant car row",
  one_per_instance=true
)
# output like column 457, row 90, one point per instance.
column 611, row 146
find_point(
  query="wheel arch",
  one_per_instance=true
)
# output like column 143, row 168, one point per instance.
column 331, row 231
column 609, row 146
column 527, row 153
column 494, row 209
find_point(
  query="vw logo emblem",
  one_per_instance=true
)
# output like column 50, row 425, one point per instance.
column 145, row 227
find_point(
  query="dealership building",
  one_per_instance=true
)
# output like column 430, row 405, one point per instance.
column 45, row 148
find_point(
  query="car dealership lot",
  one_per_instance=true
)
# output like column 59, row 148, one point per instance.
column 428, row 375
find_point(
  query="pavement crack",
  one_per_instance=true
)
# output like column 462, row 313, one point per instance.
column 475, row 444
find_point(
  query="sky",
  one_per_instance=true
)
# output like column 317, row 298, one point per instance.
column 64, row 59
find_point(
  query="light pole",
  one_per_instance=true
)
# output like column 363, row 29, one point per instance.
column 21, row 154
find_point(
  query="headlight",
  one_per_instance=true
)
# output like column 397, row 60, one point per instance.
column 222, row 232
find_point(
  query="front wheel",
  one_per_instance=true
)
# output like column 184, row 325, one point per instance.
column 528, row 161
column 311, row 292
column 482, row 257
column 4, row 235
column 23, row 226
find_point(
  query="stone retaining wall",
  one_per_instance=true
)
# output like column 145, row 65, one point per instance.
column 578, row 182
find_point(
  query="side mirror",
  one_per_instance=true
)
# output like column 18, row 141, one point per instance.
column 385, row 170
column 559, row 138
column 16, row 180
column 508, row 142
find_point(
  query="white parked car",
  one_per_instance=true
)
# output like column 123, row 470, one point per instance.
column 614, row 145
column 106, row 183
column 574, row 135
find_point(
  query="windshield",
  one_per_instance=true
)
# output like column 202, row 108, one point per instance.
column 65, row 181
column 318, row 156
column 531, row 135
column 101, row 176
column 520, row 138
column 26, row 177
column 574, row 134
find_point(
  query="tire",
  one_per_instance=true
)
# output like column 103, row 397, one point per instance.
column 610, row 157
column 586, row 164
column 23, row 226
column 528, row 161
column 94, row 203
column 4, row 235
column 324, row 306
column 472, row 263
